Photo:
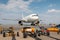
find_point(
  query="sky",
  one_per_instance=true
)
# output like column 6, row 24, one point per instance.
column 48, row 10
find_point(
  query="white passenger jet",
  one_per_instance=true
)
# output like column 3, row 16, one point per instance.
column 33, row 19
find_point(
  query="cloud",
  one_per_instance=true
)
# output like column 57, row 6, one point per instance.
column 19, row 3
column 53, row 11
column 51, row 5
column 39, row 0
column 2, row 6
column 16, row 5
column 50, row 18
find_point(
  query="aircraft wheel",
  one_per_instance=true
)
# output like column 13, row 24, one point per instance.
column 21, row 24
column 24, row 35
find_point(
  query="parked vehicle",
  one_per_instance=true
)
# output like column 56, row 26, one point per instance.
column 7, row 32
column 44, row 31
column 28, row 31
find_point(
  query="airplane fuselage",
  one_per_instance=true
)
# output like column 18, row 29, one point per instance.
column 33, row 18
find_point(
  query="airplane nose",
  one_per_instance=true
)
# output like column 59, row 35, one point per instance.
column 36, row 18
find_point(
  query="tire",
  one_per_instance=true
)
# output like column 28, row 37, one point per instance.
column 42, row 33
column 1, row 32
column 4, row 34
column 48, row 34
column 38, row 34
column 58, row 32
column 34, row 35
column 24, row 35
column 18, row 34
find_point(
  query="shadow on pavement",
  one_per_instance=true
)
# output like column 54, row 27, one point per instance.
column 54, row 38
column 36, row 38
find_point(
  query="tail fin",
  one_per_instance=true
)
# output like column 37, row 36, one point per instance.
column 22, row 15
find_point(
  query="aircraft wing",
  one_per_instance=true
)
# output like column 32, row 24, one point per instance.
column 11, row 19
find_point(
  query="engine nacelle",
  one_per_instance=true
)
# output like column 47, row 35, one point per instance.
column 20, row 22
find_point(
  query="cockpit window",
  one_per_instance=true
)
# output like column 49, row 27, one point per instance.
column 34, row 15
